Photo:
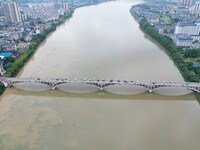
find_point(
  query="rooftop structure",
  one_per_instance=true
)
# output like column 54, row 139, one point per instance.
column 183, row 40
column 186, row 2
column 187, row 28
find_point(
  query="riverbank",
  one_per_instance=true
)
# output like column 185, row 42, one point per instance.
column 114, row 48
column 188, row 72
column 19, row 63
column 100, row 2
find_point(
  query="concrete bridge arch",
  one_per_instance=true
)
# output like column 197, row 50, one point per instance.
column 101, row 84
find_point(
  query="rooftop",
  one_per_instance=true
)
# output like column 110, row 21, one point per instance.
column 183, row 37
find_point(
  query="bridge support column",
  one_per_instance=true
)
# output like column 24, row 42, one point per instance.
column 150, row 90
column 148, row 86
column 101, row 88
column 151, row 87
column 53, row 87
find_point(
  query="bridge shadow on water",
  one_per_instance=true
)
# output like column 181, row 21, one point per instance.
column 112, row 92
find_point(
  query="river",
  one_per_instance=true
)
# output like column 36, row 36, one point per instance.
column 100, row 41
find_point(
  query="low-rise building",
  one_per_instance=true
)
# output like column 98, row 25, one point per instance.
column 183, row 40
column 187, row 28
column 196, row 8
column 9, row 47
column 2, row 70
column 195, row 38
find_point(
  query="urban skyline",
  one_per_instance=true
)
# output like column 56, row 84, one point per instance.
column 11, row 11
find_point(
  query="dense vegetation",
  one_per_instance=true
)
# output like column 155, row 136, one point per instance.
column 16, row 65
column 192, row 53
column 180, row 57
column 190, row 73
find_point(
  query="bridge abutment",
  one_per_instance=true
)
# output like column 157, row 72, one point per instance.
column 6, row 84
column 195, row 89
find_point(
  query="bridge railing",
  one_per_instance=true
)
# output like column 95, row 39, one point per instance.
column 101, row 84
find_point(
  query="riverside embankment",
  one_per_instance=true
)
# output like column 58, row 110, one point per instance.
column 18, row 64
column 188, row 72
column 102, row 42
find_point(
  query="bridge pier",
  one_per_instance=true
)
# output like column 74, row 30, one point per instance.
column 101, row 88
column 150, row 90
column 149, row 87
column 53, row 87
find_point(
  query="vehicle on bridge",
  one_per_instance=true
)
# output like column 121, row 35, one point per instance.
column 101, row 84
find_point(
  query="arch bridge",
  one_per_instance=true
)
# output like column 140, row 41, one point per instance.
column 101, row 84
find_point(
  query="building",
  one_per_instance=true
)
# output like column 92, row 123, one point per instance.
column 1, row 11
column 183, row 40
column 11, row 11
column 2, row 70
column 196, row 38
column 24, row 16
column 196, row 8
column 196, row 44
column 186, row 2
column 187, row 28
column 36, row 6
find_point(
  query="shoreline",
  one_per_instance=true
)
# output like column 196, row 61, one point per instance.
column 20, row 63
column 169, row 47
column 24, row 58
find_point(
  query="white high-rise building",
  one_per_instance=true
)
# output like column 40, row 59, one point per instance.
column 197, row 7
column 11, row 11
column 187, row 28
column 186, row 2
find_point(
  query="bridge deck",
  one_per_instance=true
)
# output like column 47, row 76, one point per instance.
column 54, row 82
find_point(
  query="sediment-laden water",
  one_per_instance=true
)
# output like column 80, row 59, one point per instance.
column 105, row 42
